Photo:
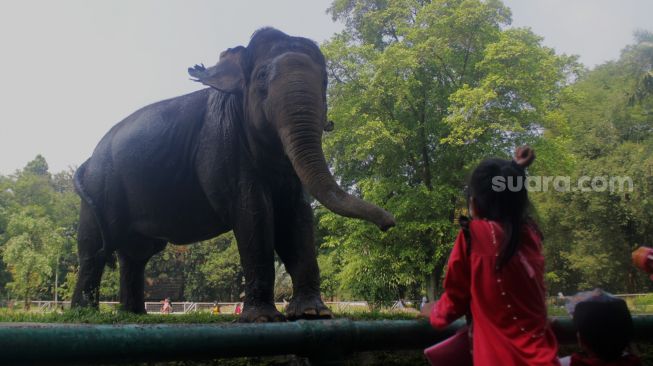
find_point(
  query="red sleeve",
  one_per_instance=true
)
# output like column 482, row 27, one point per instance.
column 454, row 302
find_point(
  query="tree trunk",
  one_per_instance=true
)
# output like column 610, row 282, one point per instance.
column 26, row 303
column 433, row 283
column 426, row 161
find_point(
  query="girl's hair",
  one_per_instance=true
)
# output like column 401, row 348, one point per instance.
column 498, row 188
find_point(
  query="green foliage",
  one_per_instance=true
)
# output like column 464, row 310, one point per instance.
column 31, row 253
column 420, row 92
column 640, row 59
column 38, row 166
column 643, row 303
column 110, row 317
column 92, row 316
column 329, row 264
column 38, row 224
column 110, row 285
column 222, row 269
column 209, row 270
column 590, row 235
column 68, row 287
column 282, row 283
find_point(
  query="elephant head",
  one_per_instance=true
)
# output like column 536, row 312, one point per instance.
column 282, row 81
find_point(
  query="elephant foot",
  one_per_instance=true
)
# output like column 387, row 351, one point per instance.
column 138, row 311
column 307, row 307
column 132, row 311
column 85, row 300
column 133, row 308
column 263, row 313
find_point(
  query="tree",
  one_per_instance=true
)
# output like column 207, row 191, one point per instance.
column 590, row 235
column 282, row 282
column 30, row 253
column 420, row 91
column 640, row 59
column 5, row 212
column 35, row 200
column 210, row 270
column 222, row 268
column 38, row 166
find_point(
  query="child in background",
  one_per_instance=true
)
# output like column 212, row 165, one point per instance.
column 605, row 329
column 495, row 271
column 166, row 308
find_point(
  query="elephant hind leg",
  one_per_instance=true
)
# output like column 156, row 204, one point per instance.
column 132, row 272
column 132, row 278
column 91, row 265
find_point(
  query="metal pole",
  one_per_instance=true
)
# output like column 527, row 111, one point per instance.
column 56, row 282
column 328, row 340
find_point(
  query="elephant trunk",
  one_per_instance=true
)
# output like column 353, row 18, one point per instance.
column 301, row 138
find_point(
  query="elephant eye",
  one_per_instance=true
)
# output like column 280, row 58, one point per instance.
column 262, row 74
column 262, row 79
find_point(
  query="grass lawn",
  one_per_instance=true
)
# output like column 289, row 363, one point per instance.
column 118, row 317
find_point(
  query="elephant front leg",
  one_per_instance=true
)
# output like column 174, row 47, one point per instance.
column 296, row 248
column 255, row 236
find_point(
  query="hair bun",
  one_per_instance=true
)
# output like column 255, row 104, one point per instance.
column 524, row 156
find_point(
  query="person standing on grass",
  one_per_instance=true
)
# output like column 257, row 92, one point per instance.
column 496, row 271
column 166, row 308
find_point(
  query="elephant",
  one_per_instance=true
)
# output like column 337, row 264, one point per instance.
column 239, row 155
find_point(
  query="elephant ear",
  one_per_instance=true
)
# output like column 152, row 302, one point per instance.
column 227, row 76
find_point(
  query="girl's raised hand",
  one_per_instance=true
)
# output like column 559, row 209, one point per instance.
column 524, row 156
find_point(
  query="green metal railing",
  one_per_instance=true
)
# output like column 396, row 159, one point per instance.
column 328, row 341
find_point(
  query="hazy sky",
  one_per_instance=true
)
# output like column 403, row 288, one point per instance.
column 70, row 69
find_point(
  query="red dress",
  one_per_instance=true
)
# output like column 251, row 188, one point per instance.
column 510, row 324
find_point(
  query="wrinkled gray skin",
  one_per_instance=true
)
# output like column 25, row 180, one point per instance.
column 233, row 156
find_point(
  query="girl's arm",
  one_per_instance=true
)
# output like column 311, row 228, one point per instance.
column 454, row 302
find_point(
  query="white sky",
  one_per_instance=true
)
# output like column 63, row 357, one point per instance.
column 70, row 69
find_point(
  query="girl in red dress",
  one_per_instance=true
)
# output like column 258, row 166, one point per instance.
column 496, row 274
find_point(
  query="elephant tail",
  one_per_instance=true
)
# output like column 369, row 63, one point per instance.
column 104, row 255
